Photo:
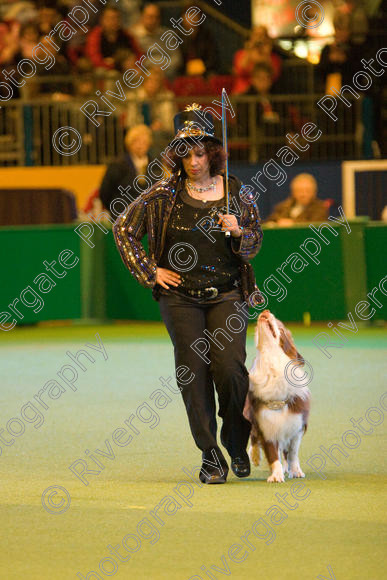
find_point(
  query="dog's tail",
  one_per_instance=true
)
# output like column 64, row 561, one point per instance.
column 247, row 409
column 255, row 451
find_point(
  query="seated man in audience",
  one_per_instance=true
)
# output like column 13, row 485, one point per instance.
column 301, row 206
column 148, row 31
column 104, row 40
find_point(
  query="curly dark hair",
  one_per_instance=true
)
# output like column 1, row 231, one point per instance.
column 215, row 152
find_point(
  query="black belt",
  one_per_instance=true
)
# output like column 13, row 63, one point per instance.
column 210, row 292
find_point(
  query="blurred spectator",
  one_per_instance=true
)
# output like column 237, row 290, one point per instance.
column 20, row 46
column 153, row 105
column 124, row 58
column 48, row 17
column 258, row 50
column 20, row 43
column 149, row 30
column 18, row 10
column 77, row 44
column 200, row 53
column 130, row 10
column 358, row 21
column 272, row 118
column 302, row 205
column 124, row 171
column 339, row 58
column 28, row 39
column 104, row 40
column 260, row 85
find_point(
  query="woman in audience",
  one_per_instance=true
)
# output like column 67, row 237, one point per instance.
column 124, row 179
column 258, row 50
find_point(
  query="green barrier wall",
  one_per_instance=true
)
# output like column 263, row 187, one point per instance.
column 125, row 298
column 23, row 251
column 375, row 236
column 318, row 289
column 100, row 286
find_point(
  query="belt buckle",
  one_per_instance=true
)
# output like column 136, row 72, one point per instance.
column 214, row 291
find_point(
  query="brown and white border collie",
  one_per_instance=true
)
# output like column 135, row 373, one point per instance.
column 277, row 409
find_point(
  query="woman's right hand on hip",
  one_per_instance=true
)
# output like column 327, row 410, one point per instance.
column 165, row 277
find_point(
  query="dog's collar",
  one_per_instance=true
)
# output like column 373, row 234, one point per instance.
column 275, row 405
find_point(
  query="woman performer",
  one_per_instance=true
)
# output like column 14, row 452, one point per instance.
column 203, row 303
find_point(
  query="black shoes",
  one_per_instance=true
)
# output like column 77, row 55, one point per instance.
column 241, row 466
column 212, row 478
column 214, row 468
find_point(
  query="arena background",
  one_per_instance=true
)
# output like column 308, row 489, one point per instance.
column 58, row 412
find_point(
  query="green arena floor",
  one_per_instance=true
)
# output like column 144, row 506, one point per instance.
column 335, row 529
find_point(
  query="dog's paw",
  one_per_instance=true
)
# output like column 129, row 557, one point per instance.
column 296, row 471
column 277, row 473
column 276, row 477
column 254, row 454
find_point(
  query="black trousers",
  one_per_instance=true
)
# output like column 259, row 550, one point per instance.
column 219, row 328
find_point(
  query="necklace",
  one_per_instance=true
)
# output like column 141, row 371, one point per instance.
column 199, row 190
column 202, row 189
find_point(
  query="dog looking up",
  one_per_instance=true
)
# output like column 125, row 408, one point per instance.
column 277, row 410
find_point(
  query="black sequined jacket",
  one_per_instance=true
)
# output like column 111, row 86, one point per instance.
column 149, row 215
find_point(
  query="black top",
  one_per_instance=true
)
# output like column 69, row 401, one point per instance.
column 208, row 260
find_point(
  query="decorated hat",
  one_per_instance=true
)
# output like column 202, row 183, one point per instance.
column 193, row 123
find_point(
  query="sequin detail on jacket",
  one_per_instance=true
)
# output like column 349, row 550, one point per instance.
column 149, row 214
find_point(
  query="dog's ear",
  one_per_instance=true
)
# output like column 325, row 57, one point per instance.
column 288, row 346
